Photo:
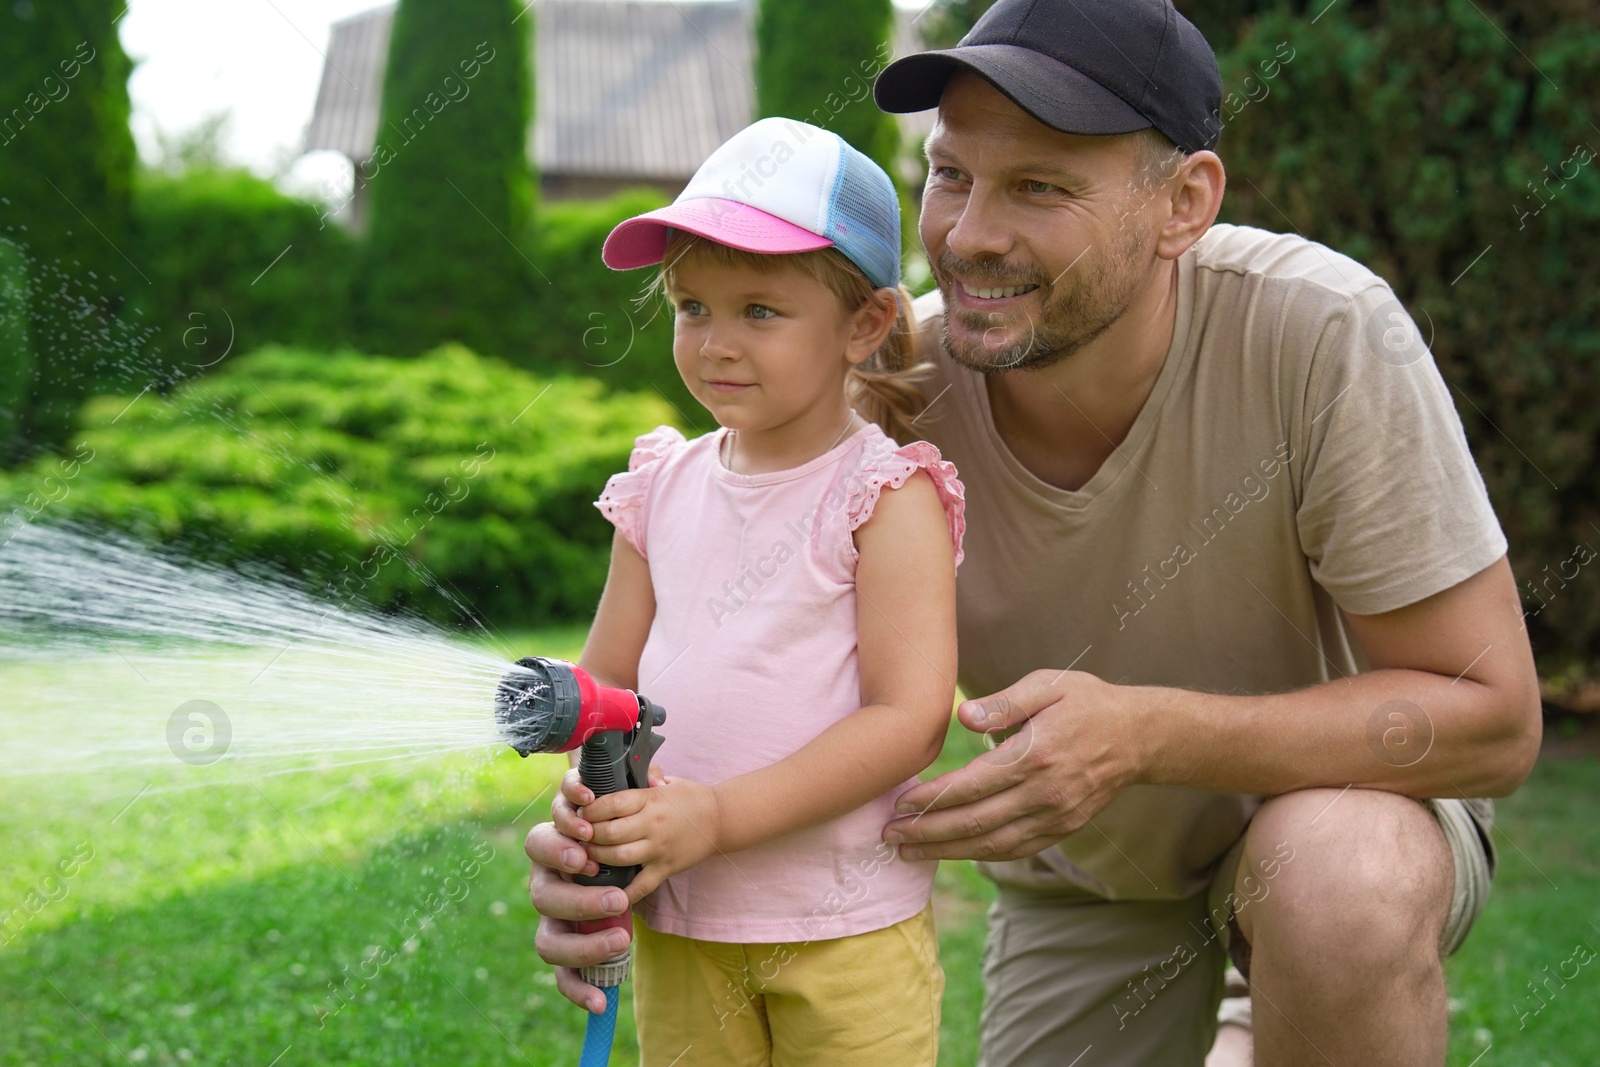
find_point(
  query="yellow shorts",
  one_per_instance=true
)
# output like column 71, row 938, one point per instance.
column 869, row 1000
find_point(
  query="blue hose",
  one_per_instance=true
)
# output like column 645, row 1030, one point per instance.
column 600, row 1030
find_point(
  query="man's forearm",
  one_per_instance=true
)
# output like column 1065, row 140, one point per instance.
column 1450, row 708
column 1406, row 731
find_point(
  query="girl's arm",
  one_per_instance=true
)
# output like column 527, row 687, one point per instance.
column 906, row 635
column 621, row 622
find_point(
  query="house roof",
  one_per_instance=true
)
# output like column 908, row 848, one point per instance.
column 624, row 88
column 652, row 88
column 345, row 117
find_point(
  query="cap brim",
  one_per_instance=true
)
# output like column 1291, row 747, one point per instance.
column 642, row 241
column 1059, row 96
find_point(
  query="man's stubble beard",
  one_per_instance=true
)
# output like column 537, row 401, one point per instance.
column 1071, row 318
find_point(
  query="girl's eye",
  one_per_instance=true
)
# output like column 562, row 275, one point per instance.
column 761, row 311
column 691, row 307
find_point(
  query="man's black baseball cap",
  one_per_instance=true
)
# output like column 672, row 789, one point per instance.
column 1079, row 66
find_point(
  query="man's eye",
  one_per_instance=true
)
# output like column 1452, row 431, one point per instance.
column 949, row 174
column 1035, row 186
column 761, row 311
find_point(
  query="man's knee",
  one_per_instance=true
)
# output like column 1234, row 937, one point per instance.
column 1360, row 874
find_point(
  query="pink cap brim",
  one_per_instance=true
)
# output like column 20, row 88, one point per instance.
column 642, row 241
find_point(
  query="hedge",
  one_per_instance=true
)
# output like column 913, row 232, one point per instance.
column 816, row 61
column 1429, row 140
column 451, row 185
column 407, row 484
column 66, row 165
column 596, row 321
column 235, row 264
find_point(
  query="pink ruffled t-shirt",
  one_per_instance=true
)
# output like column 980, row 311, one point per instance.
column 753, row 654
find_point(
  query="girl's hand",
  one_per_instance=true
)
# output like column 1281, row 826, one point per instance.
column 666, row 829
column 566, row 809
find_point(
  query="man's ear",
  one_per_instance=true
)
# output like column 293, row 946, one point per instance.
column 871, row 325
column 1195, row 198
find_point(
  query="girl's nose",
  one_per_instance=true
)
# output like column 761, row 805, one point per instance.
column 718, row 344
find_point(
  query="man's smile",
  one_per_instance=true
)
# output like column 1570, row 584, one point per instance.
column 995, row 292
column 989, row 298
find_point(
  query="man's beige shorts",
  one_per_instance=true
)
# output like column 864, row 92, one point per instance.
column 1139, row 982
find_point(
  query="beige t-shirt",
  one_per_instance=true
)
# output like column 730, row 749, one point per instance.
column 1299, row 454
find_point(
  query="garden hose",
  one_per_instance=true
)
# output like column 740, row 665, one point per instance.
column 600, row 1030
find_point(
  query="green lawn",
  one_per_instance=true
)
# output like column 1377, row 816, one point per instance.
column 205, row 926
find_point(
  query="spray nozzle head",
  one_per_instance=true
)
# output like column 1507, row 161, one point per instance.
column 537, row 704
column 550, row 705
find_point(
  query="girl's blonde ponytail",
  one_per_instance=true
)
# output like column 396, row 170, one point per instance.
column 885, row 388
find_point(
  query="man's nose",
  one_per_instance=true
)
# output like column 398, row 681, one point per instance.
column 982, row 227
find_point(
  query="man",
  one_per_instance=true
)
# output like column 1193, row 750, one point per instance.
column 1225, row 542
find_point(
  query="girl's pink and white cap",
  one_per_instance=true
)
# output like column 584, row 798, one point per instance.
column 777, row 186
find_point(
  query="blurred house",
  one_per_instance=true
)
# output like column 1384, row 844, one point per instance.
column 627, row 93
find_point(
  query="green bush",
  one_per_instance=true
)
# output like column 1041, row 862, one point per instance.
column 233, row 262
column 406, row 483
column 1430, row 141
column 591, row 319
column 16, row 363
column 451, row 185
column 66, row 165
column 945, row 22
column 208, row 235
column 816, row 60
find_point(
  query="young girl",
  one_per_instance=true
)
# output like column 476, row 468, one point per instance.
column 785, row 587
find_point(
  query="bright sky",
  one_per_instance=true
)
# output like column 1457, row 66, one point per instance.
column 260, row 60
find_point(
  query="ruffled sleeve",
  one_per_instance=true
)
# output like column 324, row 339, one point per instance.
column 626, row 493
column 891, row 470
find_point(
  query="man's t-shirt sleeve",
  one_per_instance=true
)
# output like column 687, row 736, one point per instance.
column 1392, row 506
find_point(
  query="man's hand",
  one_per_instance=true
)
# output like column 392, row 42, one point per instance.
column 558, row 853
column 1075, row 750
column 665, row 829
